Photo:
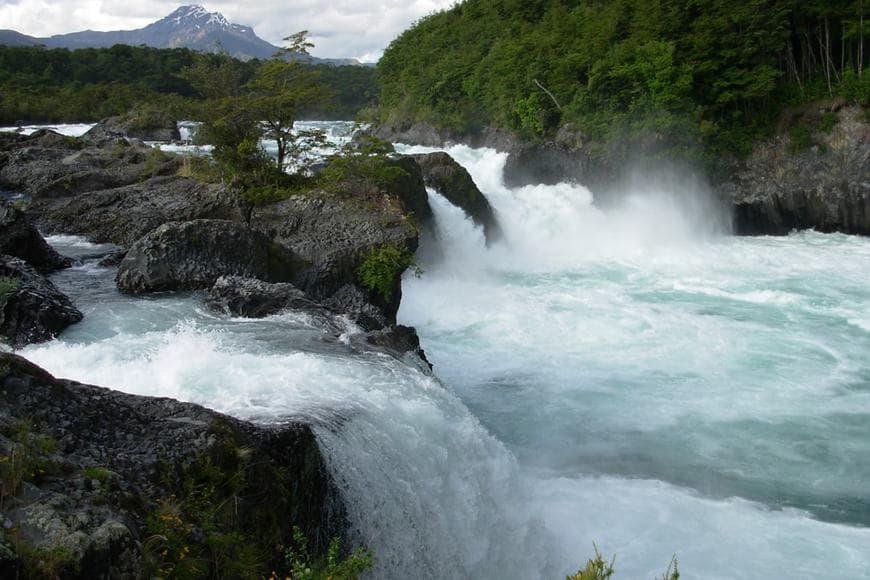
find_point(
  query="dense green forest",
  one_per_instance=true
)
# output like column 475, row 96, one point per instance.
column 56, row 85
column 711, row 71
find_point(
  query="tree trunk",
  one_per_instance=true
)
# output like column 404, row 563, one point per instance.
column 824, row 58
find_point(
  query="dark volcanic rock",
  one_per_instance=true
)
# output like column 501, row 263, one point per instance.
column 144, row 124
column 412, row 134
column 334, row 233
column 443, row 173
column 410, row 189
column 32, row 309
column 49, row 165
column 193, row 255
column 395, row 340
column 19, row 238
column 125, row 214
column 118, row 462
column 254, row 298
column 549, row 164
column 825, row 186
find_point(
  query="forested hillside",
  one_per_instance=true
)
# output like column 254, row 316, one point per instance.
column 717, row 71
column 53, row 85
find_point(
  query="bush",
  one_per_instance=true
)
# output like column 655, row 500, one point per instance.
column 597, row 568
column 333, row 567
column 382, row 267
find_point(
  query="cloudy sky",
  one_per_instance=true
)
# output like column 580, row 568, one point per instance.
column 339, row 28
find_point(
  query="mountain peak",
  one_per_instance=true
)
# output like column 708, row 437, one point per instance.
column 194, row 14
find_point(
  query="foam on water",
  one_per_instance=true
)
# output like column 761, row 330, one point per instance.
column 617, row 349
column 628, row 376
column 68, row 129
column 417, row 470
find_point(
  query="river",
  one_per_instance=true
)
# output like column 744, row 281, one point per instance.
column 636, row 377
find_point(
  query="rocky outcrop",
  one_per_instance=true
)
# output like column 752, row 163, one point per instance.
column 19, row 238
column 396, row 341
column 254, row 298
column 147, row 125
column 549, row 163
column 805, row 177
column 442, row 173
column 193, row 255
column 429, row 136
column 412, row 134
column 335, row 233
column 125, row 214
column 112, row 485
column 49, row 165
column 32, row 309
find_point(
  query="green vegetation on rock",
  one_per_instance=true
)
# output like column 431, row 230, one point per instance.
column 8, row 287
column 382, row 268
column 714, row 73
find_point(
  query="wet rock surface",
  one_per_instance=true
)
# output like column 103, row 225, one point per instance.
column 32, row 309
column 442, row 173
column 19, row 238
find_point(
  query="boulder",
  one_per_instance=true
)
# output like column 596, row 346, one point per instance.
column 442, row 173
column 19, row 238
column 123, row 215
column 129, row 484
column 147, row 125
column 254, row 298
column 334, row 233
column 193, row 255
column 396, row 341
column 32, row 309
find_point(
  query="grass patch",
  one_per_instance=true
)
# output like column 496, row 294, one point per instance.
column 303, row 567
column 100, row 474
column 25, row 460
column 827, row 122
column 8, row 287
column 199, row 167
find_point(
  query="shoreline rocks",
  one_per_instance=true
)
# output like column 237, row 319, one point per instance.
column 193, row 255
column 122, row 478
column 821, row 181
column 450, row 179
column 19, row 238
column 32, row 309
column 815, row 173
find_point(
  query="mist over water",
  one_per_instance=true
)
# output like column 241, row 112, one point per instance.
column 629, row 375
column 665, row 387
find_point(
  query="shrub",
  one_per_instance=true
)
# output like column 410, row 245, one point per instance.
column 596, row 568
column 382, row 267
column 333, row 567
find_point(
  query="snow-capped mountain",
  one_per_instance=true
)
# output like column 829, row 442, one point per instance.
column 190, row 27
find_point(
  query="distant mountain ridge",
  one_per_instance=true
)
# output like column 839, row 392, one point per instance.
column 190, row 26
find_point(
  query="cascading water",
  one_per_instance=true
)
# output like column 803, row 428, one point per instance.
column 666, row 388
column 630, row 377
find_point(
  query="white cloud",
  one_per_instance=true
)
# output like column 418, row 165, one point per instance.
column 338, row 28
